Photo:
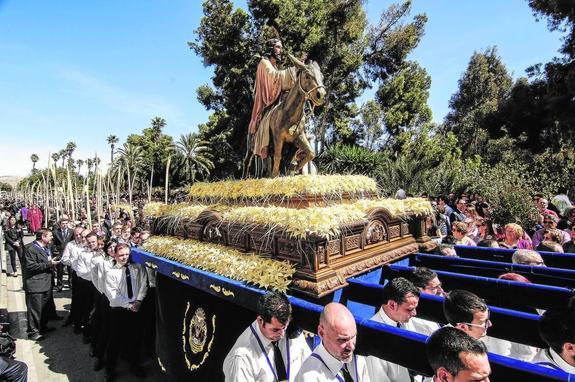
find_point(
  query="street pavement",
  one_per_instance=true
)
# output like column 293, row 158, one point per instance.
column 61, row 356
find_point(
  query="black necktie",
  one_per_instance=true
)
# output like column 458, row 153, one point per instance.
column 346, row 375
column 129, row 283
column 398, row 325
column 279, row 362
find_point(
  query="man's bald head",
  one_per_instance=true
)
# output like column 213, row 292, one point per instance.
column 338, row 331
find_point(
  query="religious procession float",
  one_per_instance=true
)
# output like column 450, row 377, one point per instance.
column 317, row 238
column 305, row 235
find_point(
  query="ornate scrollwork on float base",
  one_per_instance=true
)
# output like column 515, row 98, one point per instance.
column 195, row 334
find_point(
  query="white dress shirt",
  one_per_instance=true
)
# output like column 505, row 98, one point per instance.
column 99, row 265
column 246, row 361
column 510, row 349
column 82, row 264
column 115, row 285
column 329, row 368
column 384, row 371
column 550, row 358
column 70, row 253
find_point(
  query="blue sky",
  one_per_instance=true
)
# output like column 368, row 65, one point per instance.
column 82, row 70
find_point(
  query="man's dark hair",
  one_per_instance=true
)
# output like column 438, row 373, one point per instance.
column 557, row 327
column 445, row 346
column 422, row 276
column 459, row 306
column 276, row 305
column 135, row 230
column 397, row 290
column 41, row 232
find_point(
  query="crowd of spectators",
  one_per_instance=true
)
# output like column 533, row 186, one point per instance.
column 466, row 220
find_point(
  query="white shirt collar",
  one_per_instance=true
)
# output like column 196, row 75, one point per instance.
column 265, row 341
column 385, row 318
column 561, row 362
column 333, row 364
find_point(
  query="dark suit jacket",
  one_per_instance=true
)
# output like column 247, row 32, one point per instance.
column 60, row 240
column 37, row 269
column 13, row 235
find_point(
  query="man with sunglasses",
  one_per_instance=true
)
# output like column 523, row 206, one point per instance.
column 263, row 352
column 470, row 314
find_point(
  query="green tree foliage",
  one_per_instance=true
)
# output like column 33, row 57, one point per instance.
column 156, row 147
column 482, row 88
column 230, row 40
column 508, row 189
column 427, row 163
column 5, row 187
column 403, row 99
column 196, row 156
column 368, row 126
column 540, row 113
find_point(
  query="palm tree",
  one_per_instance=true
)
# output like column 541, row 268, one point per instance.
column 112, row 140
column 196, row 154
column 89, row 164
column 63, row 154
column 158, row 123
column 34, row 158
column 55, row 157
column 70, row 147
column 132, row 160
column 80, row 163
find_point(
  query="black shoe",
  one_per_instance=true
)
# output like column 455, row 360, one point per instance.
column 138, row 371
column 98, row 365
column 36, row 337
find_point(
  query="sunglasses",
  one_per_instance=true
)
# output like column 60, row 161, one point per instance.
column 548, row 222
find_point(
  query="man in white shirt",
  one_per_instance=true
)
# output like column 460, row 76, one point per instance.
column 400, row 299
column 456, row 357
column 125, row 287
column 263, row 352
column 69, row 256
column 85, row 289
column 557, row 329
column 334, row 359
column 469, row 313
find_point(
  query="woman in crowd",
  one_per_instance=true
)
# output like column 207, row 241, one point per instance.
column 515, row 237
column 459, row 230
column 485, row 229
column 14, row 245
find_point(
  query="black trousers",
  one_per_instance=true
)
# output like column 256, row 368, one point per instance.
column 85, row 302
column 59, row 275
column 101, row 326
column 125, row 332
column 148, row 312
column 11, row 266
column 74, row 309
column 12, row 370
column 37, row 312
